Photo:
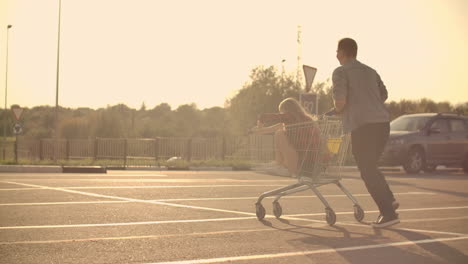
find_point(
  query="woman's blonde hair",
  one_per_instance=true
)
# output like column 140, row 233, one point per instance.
column 292, row 106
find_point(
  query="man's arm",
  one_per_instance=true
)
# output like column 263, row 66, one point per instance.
column 382, row 89
column 340, row 89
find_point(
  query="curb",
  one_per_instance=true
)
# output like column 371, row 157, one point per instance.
column 211, row 168
column 84, row 169
column 138, row 168
column 51, row 169
column 99, row 169
column 30, row 169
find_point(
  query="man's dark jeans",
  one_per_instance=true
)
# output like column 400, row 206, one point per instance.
column 368, row 142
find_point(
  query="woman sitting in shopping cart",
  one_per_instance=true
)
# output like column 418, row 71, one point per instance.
column 296, row 134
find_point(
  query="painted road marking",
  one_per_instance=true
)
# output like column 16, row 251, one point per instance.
column 131, row 223
column 22, row 175
column 159, row 203
column 399, row 210
column 286, row 217
column 321, row 224
column 156, row 236
column 153, row 187
column 206, row 199
column 173, row 180
column 19, row 189
column 131, row 199
column 61, row 203
column 312, row 252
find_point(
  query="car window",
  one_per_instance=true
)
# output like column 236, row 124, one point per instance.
column 457, row 125
column 408, row 123
column 441, row 124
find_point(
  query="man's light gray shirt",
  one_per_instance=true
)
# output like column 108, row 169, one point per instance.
column 364, row 92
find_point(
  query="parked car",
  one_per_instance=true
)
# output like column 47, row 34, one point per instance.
column 423, row 141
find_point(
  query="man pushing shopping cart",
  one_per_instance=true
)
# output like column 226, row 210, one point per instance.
column 359, row 95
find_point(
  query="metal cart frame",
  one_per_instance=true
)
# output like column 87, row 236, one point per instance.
column 322, row 148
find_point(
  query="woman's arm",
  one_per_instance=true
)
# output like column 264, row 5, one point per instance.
column 260, row 130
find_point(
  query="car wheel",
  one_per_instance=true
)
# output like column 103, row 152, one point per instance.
column 430, row 168
column 415, row 161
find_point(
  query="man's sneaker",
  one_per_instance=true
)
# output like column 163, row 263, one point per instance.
column 395, row 206
column 386, row 221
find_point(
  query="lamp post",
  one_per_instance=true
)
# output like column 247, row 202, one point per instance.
column 6, row 92
column 57, row 81
column 282, row 67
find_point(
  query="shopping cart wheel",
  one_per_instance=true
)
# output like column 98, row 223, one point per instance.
column 358, row 213
column 277, row 210
column 260, row 211
column 330, row 216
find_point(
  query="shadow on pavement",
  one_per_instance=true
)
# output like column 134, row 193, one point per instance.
column 443, row 251
column 435, row 252
column 392, row 180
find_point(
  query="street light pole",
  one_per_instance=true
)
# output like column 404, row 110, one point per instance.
column 6, row 92
column 57, row 80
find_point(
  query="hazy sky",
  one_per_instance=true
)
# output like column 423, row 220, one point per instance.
column 135, row 51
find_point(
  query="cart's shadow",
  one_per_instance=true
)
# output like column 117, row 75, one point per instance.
column 356, row 247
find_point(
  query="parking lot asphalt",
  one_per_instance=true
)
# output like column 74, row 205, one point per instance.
column 209, row 217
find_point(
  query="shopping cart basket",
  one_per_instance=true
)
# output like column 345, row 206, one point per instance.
column 321, row 147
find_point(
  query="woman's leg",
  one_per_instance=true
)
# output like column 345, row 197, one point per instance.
column 286, row 155
column 278, row 153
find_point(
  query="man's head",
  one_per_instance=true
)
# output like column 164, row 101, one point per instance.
column 347, row 49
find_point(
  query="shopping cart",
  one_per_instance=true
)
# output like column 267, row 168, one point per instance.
column 321, row 147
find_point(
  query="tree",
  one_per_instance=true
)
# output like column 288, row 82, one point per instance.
column 214, row 122
column 325, row 94
column 143, row 107
column 262, row 94
column 77, row 127
column 187, row 120
column 161, row 118
column 111, row 121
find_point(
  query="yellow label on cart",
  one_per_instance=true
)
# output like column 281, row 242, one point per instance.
column 333, row 145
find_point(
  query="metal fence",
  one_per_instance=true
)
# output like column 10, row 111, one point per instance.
column 142, row 152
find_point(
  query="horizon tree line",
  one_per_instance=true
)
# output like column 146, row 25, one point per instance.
column 266, row 88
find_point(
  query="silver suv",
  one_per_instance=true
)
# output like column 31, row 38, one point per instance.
column 423, row 141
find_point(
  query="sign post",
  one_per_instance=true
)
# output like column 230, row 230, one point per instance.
column 309, row 100
column 17, row 128
column 309, row 73
column 17, row 111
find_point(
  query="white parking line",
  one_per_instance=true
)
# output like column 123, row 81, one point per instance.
column 130, row 199
column 22, row 175
column 206, row 199
column 159, row 203
column 62, row 203
column 399, row 210
column 317, row 224
column 285, row 217
column 176, row 186
column 311, row 252
column 151, row 187
column 155, row 236
column 19, row 189
column 130, row 223
column 139, row 180
column 403, row 221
